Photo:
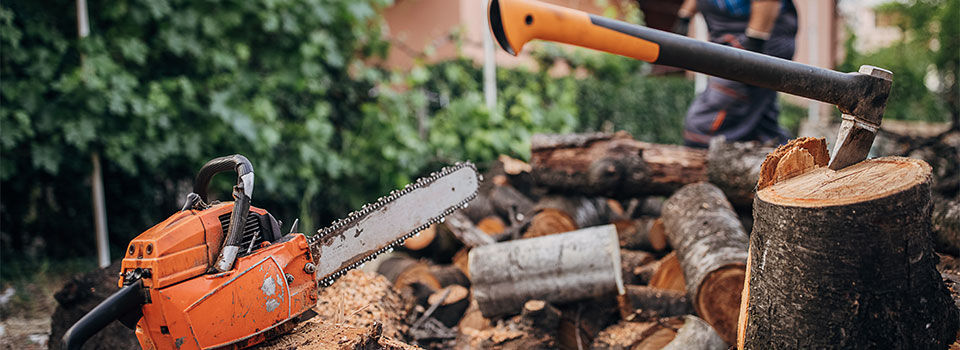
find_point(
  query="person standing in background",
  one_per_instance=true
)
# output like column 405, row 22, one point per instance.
column 738, row 111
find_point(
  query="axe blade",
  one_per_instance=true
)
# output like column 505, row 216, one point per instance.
column 857, row 132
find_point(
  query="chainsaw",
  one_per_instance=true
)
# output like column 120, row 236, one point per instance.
column 222, row 275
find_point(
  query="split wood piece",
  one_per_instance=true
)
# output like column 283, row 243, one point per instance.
column 632, row 259
column 540, row 314
column 651, row 335
column 734, row 167
column 492, row 225
column 403, row 271
column 795, row 158
column 946, row 225
column 557, row 268
column 460, row 226
column 451, row 303
column 556, row 214
column 422, row 239
column 644, row 274
column 696, row 334
column 844, row 259
column 711, row 247
column 642, row 233
column 448, row 275
column 613, row 165
column 669, row 274
column 652, row 303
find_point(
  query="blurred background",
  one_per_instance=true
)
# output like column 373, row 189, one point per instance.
column 338, row 102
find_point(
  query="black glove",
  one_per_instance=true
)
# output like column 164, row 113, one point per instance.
column 681, row 26
column 754, row 44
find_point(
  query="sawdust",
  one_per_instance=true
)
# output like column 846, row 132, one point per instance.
column 361, row 310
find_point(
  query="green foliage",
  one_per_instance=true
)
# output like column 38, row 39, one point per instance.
column 929, row 49
column 160, row 87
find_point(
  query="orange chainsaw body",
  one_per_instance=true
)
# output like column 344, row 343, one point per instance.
column 190, row 308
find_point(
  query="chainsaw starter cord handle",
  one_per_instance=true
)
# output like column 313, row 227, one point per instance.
column 235, row 162
column 127, row 300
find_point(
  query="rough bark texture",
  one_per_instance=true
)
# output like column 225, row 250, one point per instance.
column 642, row 233
column 946, row 225
column 735, row 168
column 613, row 165
column 461, row 227
column 696, row 335
column 556, row 268
column 711, row 247
column 652, row 303
column 844, row 260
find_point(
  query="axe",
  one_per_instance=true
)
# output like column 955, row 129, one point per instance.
column 861, row 96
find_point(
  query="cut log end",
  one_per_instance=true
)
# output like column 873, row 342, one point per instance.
column 864, row 181
column 422, row 239
column 669, row 274
column 549, row 221
column 719, row 300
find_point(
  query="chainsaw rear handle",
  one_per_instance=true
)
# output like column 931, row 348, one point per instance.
column 516, row 22
column 236, row 162
column 242, row 194
column 125, row 301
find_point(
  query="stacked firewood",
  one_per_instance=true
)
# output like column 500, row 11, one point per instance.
column 602, row 241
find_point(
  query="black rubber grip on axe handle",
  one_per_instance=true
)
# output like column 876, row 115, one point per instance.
column 853, row 93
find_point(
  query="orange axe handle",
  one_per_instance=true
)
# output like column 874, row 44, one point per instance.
column 516, row 22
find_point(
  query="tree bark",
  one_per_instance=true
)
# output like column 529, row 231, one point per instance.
column 632, row 259
column 734, row 167
column 651, row 303
column 844, row 259
column 540, row 314
column 711, row 247
column 613, row 165
column 556, row 268
column 696, row 335
column 557, row 214
column 451, row 303
column 460, row 226
column 946, row 225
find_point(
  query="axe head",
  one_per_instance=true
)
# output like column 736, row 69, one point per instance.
column 859, row 126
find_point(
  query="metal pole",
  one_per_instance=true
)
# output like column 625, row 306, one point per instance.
column 489, row 64
column 96, row 176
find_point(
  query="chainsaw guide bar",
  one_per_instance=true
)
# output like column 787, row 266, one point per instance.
column 380, row 226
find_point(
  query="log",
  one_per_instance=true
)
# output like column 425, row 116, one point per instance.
column 734, row 167
column 448, row 275
column 451, row 304
column 403, row 271
column 946, row 225
column 696, row 334
column 460, row 226
column 632, row 259
column 844, row 258
column 651, row 303
column 644, row 233
column 492, row 225
column 582, row 321
column 540, row 314
column 613, row 165
column 422, row 239
column 669, row 274
column 557, row 268
column 711, row 248
column 557, row 214
column 507, row 200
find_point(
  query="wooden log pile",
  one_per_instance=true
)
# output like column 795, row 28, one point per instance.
column 602, row 241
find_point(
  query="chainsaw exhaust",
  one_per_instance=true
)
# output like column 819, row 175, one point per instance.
column 125, row 301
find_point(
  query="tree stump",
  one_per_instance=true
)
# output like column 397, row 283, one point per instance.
column 844, row 259
column 711, row 247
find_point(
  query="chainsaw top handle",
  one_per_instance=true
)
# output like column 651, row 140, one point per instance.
column 236, row 162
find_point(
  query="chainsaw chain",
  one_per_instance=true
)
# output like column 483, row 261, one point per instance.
column 354, row 217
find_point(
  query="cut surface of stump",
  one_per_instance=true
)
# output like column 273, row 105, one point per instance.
column 844, row 259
